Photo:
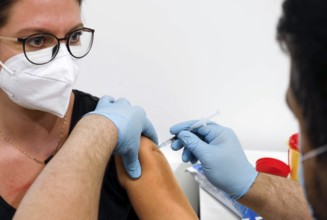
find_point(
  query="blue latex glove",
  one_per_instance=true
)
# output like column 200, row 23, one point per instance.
column 220, row 153
column 131, row 122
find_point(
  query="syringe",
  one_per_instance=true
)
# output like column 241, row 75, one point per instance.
column 202, row 122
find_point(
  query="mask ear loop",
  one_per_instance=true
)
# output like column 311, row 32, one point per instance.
column 6, row 68
column 9, row 71
column 314, row 153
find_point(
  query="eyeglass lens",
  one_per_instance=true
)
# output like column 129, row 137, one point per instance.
column 42, row 48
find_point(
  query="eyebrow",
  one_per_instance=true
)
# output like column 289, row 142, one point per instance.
column 28, row 31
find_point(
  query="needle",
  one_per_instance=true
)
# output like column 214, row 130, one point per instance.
column 202, row 122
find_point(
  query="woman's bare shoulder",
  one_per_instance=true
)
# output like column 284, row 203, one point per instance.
column 156, row 194
column 152, row 160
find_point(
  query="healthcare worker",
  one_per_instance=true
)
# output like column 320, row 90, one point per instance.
column 302, row 33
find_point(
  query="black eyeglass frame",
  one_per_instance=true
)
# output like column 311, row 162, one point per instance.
column 68, row 36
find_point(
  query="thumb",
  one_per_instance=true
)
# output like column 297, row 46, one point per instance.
column 132, row 164
column 105, row 100
column 150, row 132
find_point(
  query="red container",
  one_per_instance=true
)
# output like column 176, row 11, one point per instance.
column 294, row 156
column 272, row 166
column 293, row 142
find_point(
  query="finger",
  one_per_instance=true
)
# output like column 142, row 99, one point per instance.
column 150, row 132
column 175, row 129
column 189, row 140
column 122, row 101
column 187, row 155
column 193, row 159
column 176, row 145
column 104, row 100
column 210, row 131
column 204, row 130
column 192, row 143
column 132, row 165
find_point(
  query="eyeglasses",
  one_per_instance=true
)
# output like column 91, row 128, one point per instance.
column 42, row 48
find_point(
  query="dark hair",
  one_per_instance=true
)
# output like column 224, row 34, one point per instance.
column 302, row 31
column 6, row 5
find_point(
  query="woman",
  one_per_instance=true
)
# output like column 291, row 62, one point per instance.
column 38, row 110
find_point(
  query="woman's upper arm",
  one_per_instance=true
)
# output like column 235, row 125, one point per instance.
column 156, row 194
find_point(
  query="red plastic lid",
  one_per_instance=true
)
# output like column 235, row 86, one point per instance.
column 272, row 166
column 294, row 141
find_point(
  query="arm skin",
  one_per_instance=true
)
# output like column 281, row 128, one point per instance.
column 156, row 194
column 58, row 193
column 274, row 197
column 69, row 186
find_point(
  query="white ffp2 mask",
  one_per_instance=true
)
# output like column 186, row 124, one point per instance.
column 40, row 87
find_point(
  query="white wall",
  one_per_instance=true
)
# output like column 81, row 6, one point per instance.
column 184, row 59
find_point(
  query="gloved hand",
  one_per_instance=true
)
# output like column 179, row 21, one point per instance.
column 131, row 122
column 220, row 153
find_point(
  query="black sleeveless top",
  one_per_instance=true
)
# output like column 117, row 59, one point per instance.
column 114, row 202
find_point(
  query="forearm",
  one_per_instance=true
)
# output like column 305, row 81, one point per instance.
column 274, row 197
column 69, row 186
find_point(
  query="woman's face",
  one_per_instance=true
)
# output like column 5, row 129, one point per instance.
column 28, row 17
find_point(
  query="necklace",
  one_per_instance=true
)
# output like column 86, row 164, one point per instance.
column 4, row 137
